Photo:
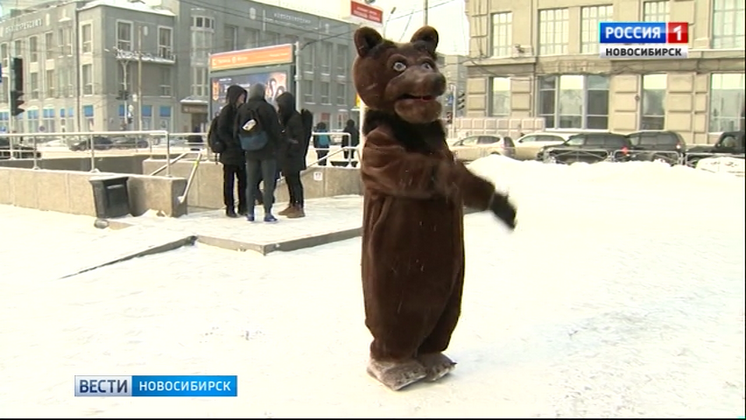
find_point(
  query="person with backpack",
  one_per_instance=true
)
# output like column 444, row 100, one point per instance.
column 258, row 130
column 296, row 129
column 222, row 140
column 321, row 143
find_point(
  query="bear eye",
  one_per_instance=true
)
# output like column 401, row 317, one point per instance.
column 427, row 66
column 400, row 66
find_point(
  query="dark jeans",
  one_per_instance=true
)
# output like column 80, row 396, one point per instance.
column 349, row 154
column 295, row 189
column 230, row 174
column 321, row 154
column 263, row 170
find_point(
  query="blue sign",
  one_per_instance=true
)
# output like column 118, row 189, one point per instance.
column 632, row 33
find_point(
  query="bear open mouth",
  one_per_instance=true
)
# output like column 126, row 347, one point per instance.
column 418, row 98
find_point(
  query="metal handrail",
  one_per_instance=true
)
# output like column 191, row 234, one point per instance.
column 89, row 134
column 182, row 198
column 178, row 158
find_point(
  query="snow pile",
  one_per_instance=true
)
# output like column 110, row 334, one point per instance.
column 728, row 165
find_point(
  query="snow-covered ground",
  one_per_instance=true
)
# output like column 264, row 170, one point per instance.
column 621, row 293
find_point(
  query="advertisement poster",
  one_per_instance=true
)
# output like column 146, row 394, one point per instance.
column 276, row 82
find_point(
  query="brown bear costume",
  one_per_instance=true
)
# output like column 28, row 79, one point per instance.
column 415, row 191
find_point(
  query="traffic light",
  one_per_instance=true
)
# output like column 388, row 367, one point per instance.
column 449, row 117
column 461, row 103
column 17, row 91
column 123, row 95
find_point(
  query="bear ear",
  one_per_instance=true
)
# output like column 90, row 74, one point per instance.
column 428, row 35
column 366, row 39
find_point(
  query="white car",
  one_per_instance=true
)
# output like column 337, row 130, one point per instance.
column 474, row 147
column 528, row 146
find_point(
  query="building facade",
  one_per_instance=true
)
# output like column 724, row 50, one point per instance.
column 80, row 56
column 540, row 59
column 214, row 26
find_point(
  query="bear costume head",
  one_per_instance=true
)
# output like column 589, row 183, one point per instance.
column 400, row 79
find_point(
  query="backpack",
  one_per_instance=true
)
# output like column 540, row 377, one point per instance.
column 216, row 145
column 251, row 134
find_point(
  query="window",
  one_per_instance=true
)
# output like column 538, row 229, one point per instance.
column 309, row 57
column 341, row 94
column 165, row 43
column 34, row 85
column 325, row 92
column 33, row 120
column 4, row 55
column 87, row 76
column 165, row 81
column 164, row 113
column 18, row 49
column 48, row 120
column 270, row 38
column 574, row 101
column 203, row 22
column 653, row 112
column 49, row 82
column 65, row 41
column 327, row 49
column 343, row 60
column 655, row 11
column 728, row 24
column 308, row 91
column 500, row 97
column 49, row 45
column 502, row 34
column 33, row 49
column 146, row 115
column 726, row 101
column 251, row 38
column 86, row 37
column 554, row 28
column 230, row 38
column 199, row 82
column 590, row 18
column 124, row 36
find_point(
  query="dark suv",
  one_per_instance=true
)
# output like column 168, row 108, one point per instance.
column 590, row 148
column 730, row 143
column 664, row 146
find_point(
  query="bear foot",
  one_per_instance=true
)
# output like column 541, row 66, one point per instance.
column 437, row 365
column 397, row 375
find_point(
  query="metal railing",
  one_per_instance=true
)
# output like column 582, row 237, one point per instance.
column 322, row 160
column 182, row 198
column 84, row 140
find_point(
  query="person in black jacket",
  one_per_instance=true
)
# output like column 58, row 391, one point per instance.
column 262, row 163
column 234, row 166
column 297, row 136
column 352, row 139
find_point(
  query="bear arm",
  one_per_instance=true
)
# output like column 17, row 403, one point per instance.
column 388, row 168
column 476, row 192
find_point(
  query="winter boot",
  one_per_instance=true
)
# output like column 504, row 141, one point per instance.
column 296, row 212
column 230, row 212
column 286, row 210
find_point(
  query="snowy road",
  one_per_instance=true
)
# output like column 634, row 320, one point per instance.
column 621, row 294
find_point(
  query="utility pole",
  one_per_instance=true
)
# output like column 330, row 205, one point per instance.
column 298, row 77
column 424, row 12
column 139, row 77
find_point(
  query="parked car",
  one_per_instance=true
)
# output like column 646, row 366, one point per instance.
column 590, row 148
column 99, row 143
column 528, row 147
column 730, row 143
column 474, row 147
column 654, row 145
column 129, row 143
column 19, row 151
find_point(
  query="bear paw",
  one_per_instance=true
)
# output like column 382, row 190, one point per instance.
column 437, row 365
column 397, row 375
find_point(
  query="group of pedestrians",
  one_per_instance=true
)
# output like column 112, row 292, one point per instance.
column 256, row 143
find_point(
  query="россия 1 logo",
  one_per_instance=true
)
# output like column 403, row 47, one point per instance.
column 643, row 40
column 156, row 386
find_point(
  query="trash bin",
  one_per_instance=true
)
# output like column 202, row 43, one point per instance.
column 110, row 196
